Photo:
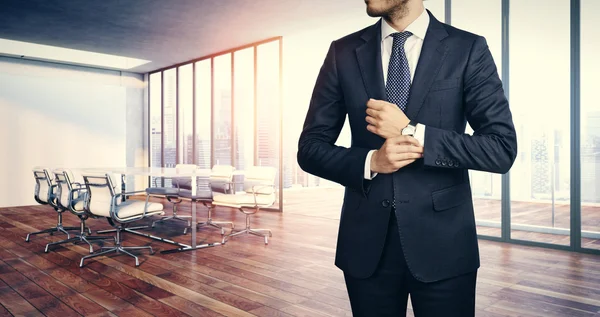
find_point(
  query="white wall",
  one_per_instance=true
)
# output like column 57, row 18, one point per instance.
column 65, row 116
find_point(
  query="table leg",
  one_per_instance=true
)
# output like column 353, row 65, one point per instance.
column 123, row 187
column 194, row 220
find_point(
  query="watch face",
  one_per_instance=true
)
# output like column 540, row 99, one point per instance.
column 409, row 130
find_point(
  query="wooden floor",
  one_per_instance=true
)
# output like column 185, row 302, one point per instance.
column 292, row 276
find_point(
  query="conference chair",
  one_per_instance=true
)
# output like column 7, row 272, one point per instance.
column 45, row 194
column 172, row 195
column 71, row 196
column 104, row 201
column 220, row 182
column 259, row 192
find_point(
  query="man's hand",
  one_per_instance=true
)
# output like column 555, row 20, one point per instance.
column 396, row 153
column 385, row 119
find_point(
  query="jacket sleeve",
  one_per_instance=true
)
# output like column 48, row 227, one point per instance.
column 317, row 152
column 493, row 145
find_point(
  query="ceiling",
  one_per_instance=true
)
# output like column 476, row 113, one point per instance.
column 165, row 32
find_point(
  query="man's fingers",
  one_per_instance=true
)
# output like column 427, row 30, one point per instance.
column 373, row 113
column 396, row 157
column 375, row 104
column 403, row 163
column 404, row 148
column 405, row 139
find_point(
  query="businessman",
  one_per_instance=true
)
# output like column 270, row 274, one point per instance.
column 408, row 84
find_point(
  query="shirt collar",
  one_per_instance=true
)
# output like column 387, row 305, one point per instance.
column 418, row 27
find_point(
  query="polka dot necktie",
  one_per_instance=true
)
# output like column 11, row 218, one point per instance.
column 397, row 86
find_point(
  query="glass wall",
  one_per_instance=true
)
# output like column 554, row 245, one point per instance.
column 590, row 125
column 155, row 122
column 267, row 105
column 540, row 102
column 222, row 130
column 237, row 112
column 484, row 17
column 185, row 114
column 203, row 125
column 170, row 118
column 437, row 8
column 243, row 87
column 222, row 109
column 203, row 113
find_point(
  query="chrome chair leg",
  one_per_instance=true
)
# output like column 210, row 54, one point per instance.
column 74, row 239
column 215, row 224
column 266, row 233
column 58, row 228
column 51, row 230
column 93, row 255
column 118, row 248
column 115, row 230
column 176, row 217
column 81, row 237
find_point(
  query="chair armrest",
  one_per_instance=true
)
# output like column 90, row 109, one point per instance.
column 129, row 193
column 52, row 190
column 81, row 195
column 115, row 199
column 255, row 188
column 258, row 187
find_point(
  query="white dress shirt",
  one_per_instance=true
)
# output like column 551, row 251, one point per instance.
column 412, row 49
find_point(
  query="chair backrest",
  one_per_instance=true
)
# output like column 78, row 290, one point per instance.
column 43, row 185
column 64, row 181
column 261, row 179
column 220, row 179
column 184, row 182
column 101, row 191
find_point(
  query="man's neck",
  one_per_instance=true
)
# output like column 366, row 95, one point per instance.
column 401, row 20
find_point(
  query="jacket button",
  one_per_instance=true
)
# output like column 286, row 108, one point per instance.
column 455, row 164
column 385, row 203
column 451, row 163
column 443, row 163
column 437, row 162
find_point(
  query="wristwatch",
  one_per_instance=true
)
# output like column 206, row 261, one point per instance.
column 410, row 129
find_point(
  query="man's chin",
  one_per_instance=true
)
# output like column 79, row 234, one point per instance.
column 373, row 12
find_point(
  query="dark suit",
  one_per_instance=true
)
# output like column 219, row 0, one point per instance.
column 456, row 82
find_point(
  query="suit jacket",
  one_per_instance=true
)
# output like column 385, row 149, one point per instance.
column 456, row 82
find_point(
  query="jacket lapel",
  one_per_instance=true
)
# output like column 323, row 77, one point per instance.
column 433, row 53
column 369, row 62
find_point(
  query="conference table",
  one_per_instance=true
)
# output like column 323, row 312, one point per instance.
column 165, row 172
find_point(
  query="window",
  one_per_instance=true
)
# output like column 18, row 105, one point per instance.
column 540, row 102
column 243, row 78
column 206, row 112
column 484, row 17
column 222, row 110
column 185, row 113
column 203, row 117
column 437, row 8
column 268, row 104
column 155, row 122
column 169, row 118
column 590, row 124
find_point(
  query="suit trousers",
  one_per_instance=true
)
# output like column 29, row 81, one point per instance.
column 385, row 293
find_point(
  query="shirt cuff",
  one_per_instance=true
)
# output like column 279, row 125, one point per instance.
column 368, row 174
column 420, row 134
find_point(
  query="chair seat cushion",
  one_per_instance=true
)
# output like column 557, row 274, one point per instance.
column 163, row 191
column 200, row 195
column 135, row 208
column 243, row 200
column 79, row 205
